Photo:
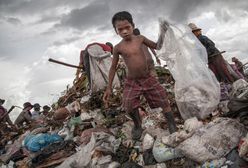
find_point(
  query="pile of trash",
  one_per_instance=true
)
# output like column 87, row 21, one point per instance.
column 82, row 132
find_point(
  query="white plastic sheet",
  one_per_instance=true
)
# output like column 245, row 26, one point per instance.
column 213, row 141
column 197, row 90
column 163, row 153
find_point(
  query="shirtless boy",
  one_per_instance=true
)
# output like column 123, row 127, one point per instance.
column 139, row 81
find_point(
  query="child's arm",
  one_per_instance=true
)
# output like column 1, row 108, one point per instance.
column 111, row 74
column 155, row 54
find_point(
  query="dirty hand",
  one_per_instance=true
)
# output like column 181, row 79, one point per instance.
column 106, row 95
column 163, row 24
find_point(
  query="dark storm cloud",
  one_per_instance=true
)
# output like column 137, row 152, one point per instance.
column 181, row 9
column 98, row 13
column 34, row 7
column 92, row 16
column 6, row 2
column 13, row 20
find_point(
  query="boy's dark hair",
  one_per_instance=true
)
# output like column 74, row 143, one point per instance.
column 136, row 32
column 120, row 16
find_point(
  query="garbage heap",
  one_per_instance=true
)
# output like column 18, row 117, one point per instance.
column 82, row 132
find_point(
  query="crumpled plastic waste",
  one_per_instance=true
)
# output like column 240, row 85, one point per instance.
column 85, row 99
column 100, row 143
column 192, row 124
column 238, row 87
column 243, row 148
column 66, row 133
column 147, row 142
column 87, row 134
column 176, row 138
column 163, row 153
column 73, row 107
column 212, row 141
column 213, row 163
column 35, row 143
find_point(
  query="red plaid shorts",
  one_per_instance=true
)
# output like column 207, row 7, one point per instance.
column 149, row 87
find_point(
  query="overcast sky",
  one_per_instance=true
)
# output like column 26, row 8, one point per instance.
column 34, row 30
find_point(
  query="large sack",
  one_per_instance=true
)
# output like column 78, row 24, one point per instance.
column 213, row 140
column 100, row 62
column 197, row 91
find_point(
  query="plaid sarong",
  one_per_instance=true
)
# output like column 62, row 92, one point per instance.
column 149, row 87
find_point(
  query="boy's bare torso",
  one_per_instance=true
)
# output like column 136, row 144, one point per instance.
column 133, row 54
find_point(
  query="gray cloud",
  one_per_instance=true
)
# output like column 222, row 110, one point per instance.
column 66, row 41
column 13, row 20
column 35, row 7
column 6, row 2
column 97, row 13
column 94, row 15
column 180, row 10
column 48, row 18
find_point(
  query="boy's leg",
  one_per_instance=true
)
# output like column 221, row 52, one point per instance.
column 137, row 129
column 157, row 97
column 131, row 102
column 170, row 119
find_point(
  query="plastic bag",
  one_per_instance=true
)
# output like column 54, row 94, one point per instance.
column 197, row 91
column 176, row 138
column 35, row 143
column 147, row 142
column 163, row 153
column 213, row 141
column 192, row 124
column 100, row 142
column 239, row 89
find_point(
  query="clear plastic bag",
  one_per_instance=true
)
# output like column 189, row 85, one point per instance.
column 197, row 90
column 213, row 141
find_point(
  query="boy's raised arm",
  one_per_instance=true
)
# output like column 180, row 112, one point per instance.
column 163, row 26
